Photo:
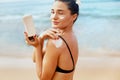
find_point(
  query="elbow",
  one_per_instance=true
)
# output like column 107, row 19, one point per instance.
column 39, row 75
column 34, row 60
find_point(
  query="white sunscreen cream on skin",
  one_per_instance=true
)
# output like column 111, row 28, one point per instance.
column 61, row 17
column 57, row 42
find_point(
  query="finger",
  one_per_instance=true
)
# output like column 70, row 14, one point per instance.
column 55, row 30
column 27, row 40
column 52, row 35
column 35, row 40
column 26, row 35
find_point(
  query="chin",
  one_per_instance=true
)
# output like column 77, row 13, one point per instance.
column 55, row 26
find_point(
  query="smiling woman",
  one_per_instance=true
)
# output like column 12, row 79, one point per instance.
column 61, row 51
column 97, row 29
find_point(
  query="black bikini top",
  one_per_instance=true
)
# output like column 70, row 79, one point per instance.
column 58, row 69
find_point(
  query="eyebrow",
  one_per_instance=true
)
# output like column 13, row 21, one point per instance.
column 58, row 10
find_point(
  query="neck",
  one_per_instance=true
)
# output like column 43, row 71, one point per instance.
column 66, row 30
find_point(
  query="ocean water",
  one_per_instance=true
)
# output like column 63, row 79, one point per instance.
column 98, row 25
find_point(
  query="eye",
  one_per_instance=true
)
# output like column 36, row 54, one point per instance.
column 61, row 12
column 52, row 12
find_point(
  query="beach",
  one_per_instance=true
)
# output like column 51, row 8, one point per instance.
column 97, row 29
column 17, row 74
column 12, row 68
column 92, row 67
column 98, row 65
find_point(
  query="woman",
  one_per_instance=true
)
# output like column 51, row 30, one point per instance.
column 57, row 61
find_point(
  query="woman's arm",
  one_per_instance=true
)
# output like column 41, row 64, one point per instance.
column 34, row 51
column 37, row 44
column 38, row 60
column 50, row 33
column 49, row 61
column 43, row 49
column 45, row 65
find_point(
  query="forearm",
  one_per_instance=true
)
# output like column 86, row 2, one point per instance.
column 38, row 56
column 41, row 40
column 38, row 59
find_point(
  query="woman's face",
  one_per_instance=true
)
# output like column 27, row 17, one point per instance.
column 61, row 16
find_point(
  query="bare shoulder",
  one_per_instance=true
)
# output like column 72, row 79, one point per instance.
column 54, row 46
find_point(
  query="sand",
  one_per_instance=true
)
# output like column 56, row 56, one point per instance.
column 17, row 74
column 88, row 68
column 17, row 69
column 98, row 68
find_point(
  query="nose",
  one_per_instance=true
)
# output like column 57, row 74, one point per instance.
column 54, row 16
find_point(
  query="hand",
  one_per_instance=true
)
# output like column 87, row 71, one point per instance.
column 50, row 34
column 34, row 43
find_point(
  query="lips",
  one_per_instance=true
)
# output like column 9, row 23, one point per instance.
column 55, row 22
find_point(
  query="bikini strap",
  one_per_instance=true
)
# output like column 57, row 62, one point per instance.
column 69, row 51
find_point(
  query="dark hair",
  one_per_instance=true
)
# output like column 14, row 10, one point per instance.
column 72, row 6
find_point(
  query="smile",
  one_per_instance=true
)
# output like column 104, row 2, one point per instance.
column 55, row 22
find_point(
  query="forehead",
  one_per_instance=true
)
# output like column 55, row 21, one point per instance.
column 59, row 5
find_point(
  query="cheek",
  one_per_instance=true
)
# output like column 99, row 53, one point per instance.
column 61, row 17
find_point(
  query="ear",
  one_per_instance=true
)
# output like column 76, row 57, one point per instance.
column 74, row 17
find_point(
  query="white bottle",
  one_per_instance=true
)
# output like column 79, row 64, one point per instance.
column 29, row 26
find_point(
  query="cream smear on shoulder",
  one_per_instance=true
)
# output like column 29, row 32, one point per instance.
column 57, row 43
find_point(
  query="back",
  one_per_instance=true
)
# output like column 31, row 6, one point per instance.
column 65, row 61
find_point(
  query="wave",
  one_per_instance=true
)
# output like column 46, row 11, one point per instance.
column 12, row 18
column 94, row 8
column 100, row 9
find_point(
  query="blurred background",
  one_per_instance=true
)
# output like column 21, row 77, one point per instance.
column 97, row 30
